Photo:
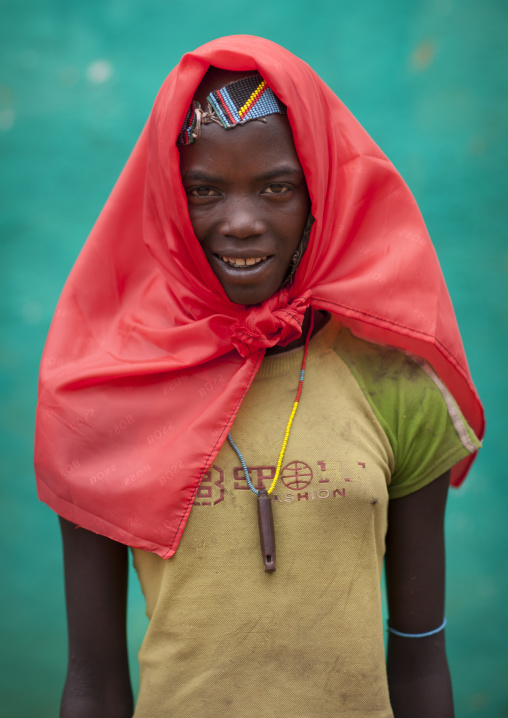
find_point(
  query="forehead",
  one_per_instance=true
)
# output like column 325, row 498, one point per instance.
column 258, row 144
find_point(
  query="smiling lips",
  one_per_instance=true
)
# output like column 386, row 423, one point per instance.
column 241, row 262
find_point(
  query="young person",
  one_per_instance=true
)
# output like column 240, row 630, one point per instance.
column 256, row 345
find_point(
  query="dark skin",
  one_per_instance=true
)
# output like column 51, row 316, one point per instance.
column 418, row 675
column 98, row 681
column 251, row 209
column 246, row 207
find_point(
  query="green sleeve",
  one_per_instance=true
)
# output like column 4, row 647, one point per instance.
column 420, row 418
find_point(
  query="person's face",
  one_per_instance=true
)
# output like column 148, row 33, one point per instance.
column 248, row 204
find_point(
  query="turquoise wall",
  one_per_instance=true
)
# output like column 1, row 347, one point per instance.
column 427, row 79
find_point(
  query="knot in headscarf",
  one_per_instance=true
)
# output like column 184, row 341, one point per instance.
column 263, row 329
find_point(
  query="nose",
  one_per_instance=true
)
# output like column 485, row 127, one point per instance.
column 241, row 219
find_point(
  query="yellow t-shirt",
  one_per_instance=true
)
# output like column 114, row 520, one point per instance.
column 225, row 638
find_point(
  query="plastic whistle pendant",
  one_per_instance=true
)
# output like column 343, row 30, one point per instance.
column 266, row 530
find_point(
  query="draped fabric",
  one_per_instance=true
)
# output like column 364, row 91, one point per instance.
column 147, row 360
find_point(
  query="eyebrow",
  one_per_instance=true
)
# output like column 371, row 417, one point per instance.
column 198, row 175
column 290, row 170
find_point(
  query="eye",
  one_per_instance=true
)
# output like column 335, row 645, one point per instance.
column 202, row 192
column 278, row 190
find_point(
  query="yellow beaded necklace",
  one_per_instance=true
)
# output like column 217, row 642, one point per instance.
column 265, row 515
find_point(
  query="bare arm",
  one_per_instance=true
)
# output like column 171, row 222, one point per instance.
column 418, row 675
column 98, row 682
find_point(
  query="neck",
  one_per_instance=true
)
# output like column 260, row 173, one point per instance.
column 320, row 319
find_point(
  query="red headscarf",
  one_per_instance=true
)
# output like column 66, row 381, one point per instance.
column 147, row 360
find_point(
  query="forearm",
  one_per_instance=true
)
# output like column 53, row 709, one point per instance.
column 86, row 707
column 98, row 681
column 90, row 692
column 418, row 677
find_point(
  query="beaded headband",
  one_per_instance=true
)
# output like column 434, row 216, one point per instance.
column 246, row 99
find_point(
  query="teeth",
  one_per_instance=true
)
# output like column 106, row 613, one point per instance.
column 240, row 262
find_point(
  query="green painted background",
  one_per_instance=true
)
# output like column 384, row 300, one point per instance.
column 427, row 79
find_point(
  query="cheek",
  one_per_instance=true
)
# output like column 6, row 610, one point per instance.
column 295, row 224
column 200, row 222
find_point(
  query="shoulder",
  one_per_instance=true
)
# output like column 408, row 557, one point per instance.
column 382, row 370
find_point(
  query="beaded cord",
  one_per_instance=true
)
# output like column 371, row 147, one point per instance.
column 185, row 136
column 253, row 99
column 289, row 424
column 417, row 635
column 248, row 98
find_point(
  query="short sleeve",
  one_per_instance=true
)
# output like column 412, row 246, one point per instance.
column 426, row 430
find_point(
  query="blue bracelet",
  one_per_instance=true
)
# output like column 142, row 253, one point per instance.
column 417, row 635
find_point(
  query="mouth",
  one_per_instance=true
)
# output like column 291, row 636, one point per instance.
column 242, row 262
column 246, row 280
